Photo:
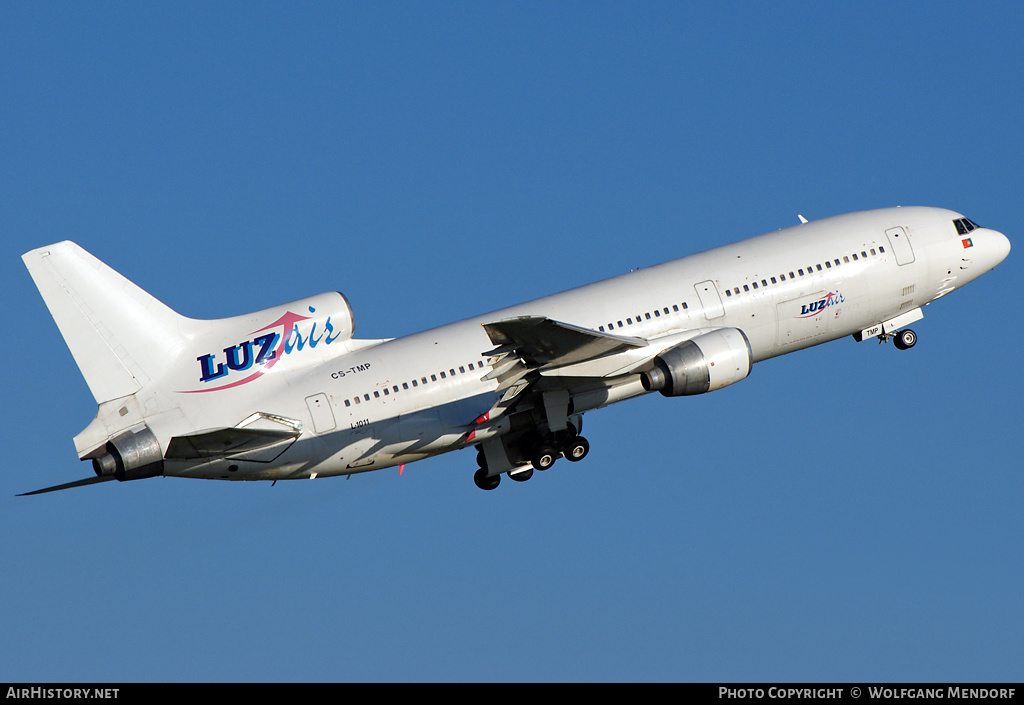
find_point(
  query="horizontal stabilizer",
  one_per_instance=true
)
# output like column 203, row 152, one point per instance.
column 69, row 485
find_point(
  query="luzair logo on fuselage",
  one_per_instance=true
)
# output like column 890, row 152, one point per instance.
column 816, row 307
column 267, row 347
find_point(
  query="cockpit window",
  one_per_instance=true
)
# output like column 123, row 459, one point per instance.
column 964, row 226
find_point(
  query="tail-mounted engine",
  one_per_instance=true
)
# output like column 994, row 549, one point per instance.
column 702, row 364
column 133, row 455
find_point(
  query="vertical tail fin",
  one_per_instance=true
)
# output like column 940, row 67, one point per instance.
column 118, row 334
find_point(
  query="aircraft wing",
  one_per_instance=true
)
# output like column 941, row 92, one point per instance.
column 540, row 341
column 531, row 347
column 258, row 437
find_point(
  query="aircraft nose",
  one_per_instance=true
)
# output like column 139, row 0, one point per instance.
column 1000, row 246
column 991, row 247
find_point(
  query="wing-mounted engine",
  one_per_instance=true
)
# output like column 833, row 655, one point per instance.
column 702, row 364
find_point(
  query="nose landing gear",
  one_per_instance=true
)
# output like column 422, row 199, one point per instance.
column 902, row 339
column 905, row 339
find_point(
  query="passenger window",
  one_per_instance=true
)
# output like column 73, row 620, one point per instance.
column 442, row 375
column 386, row 392
column 356, row 400
column 657, row 313
column 755, row 285
column 366, row 397
column 348, row 403
column 405, row 385
column 881, row 249
column 746, row 287
column 433, row 378
column 773, row 281
column 376, row 395
column 462, row 370
column 800, row 272
column 854, row 256
column 728, row 292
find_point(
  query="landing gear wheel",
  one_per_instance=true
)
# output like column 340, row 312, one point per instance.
column 485, row 482
column 522, row 475
column 544, row 457
column 576, row 449
column 905, row 339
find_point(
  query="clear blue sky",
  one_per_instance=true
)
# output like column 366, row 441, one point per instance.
column 848, row 513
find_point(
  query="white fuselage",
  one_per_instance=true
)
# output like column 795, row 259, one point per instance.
column 384, row 403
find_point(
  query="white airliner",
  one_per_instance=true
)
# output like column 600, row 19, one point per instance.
column 288, row 393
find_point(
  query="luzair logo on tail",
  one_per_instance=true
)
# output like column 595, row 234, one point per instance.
column 263, row 351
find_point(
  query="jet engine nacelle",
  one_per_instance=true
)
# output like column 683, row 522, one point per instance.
column 133, row 455
column 699, row 365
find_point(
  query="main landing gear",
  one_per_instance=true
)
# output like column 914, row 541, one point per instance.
column 543, row 456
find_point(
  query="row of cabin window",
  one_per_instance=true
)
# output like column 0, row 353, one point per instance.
column 810, row 270
column 643, row 316
column 414, row 383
